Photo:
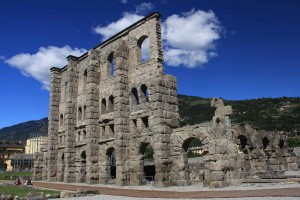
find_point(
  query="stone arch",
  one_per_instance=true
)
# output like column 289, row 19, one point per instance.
column 144, row 93
column 143, row 53
column 103, row 106
column 134, row 97
column 111, row 163
column 111, row 103
column 61, row 120
column 179, row 144
column 148, row 163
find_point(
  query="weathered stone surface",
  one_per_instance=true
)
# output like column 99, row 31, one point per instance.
column 109, row 105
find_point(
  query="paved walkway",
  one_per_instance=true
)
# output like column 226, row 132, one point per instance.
column 278, row 192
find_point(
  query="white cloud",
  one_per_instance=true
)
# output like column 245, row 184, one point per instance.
column 124, row 1
column 144, row 8
column 127, row 19
column 38, row 65
column 115, row 27
column 190, row 38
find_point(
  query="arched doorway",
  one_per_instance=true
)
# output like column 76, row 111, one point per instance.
column 83, row 167
column 111, row 161
column 193, row 152
column 148, row 162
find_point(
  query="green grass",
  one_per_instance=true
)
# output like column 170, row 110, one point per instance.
column 13, row 175
column 22, row 192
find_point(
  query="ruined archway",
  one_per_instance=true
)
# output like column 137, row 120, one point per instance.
column 148, row 164
column 243, row 142
column 180, row 145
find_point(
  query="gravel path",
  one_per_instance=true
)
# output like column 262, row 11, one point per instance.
column 284, row 189
column 108, row 197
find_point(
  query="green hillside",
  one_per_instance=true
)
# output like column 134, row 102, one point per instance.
column 264, row 114
column 22, row 131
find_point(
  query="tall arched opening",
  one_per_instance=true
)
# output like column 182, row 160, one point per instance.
column 193, row 152
column 148, row 162
column 111, row 162
column 144, row 49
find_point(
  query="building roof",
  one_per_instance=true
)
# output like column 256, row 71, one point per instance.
column 7, row 144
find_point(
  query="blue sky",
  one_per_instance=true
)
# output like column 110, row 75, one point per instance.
column 244, row 49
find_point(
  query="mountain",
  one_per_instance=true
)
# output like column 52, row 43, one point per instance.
column 22, row 131
column 264, row 114
column 280, row 114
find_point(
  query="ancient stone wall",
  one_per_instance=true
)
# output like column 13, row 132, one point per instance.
column 108, row 106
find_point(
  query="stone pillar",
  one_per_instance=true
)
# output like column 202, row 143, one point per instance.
column 164, row 119
column 121, row 113
column 70, row 120
column 53, row 123
column 92, row 116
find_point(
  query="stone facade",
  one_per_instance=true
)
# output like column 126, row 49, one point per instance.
column 107, row 106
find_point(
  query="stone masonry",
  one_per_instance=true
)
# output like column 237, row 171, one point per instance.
column 107, row 106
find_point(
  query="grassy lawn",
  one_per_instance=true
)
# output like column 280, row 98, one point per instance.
column 13, row 175
column 22, row 192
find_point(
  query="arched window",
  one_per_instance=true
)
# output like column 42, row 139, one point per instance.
column 144, row 90
column 144, row 49
column 111, row 158
column 265, row 142
column 84, row 113
column 79, row 115
column 83, row 157
column 281, row 144
column 84, row 134
column 111, row 103
column 193, row 147
column 134, row 97
column 61, row 120
column 111, row 63
column 103, row 106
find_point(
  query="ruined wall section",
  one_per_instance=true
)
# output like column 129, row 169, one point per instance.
column 153, row 67
column 53, row 127
column 92, row 117
column 70, row 119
